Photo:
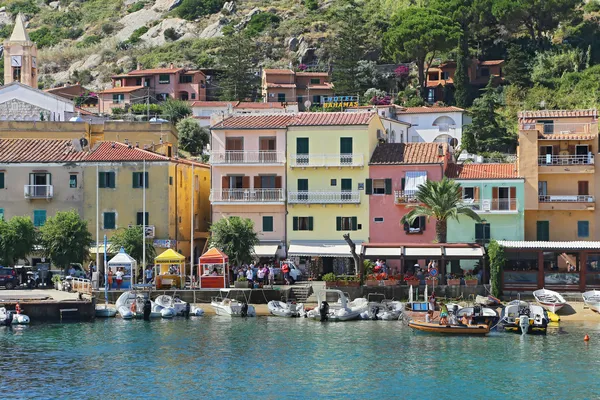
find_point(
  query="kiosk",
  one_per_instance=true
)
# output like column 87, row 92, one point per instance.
column 125, row 262
column 170, row 266
column 214, row 269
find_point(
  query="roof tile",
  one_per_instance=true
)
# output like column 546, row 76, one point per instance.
column 39, row 150
column 482, row 171
column 256, row 121
column 566, row 136
column 214, row 103
column 114, row 151
column 333, row 118
column 432, row 109
column 122, row 89
column 592, row 112
column 274, row 71
column 407, row 153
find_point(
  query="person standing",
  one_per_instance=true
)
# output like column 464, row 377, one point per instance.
column 110, row 278
column 286, row 273
column 148, row 274
column 119, row 276
column 271, row 275
column 250, row 274
column 260, row 274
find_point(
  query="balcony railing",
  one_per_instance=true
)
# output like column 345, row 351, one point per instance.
column 327, row 160
column 559, row 128
column 402, row 197
column 492, row 205
column 247, row 195
column 566, row 198
column 549, row 160
column 343, row 197
column 248, row 157
column 39, row 191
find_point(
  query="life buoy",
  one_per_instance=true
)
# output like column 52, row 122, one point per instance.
column 18, row 308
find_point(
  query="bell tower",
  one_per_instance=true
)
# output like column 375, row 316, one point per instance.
column 20, row 56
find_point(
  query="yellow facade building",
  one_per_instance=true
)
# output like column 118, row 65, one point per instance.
column 557, row 155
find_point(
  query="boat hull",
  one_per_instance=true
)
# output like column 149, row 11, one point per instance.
column 232, row 310
column 475, row 330
column 105, row 312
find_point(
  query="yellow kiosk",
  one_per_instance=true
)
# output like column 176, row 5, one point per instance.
column 171, row 270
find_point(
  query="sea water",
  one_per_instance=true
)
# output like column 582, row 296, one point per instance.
column 274, row 358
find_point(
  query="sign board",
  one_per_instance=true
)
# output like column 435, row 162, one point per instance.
column 339, row 101
column 433, row 272
column 165, row 243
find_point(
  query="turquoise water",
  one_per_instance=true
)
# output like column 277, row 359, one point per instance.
column 272, row 358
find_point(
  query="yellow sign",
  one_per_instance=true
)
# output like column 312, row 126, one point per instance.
column 340, row 104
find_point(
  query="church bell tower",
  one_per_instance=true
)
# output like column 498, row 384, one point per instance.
column 20, row 56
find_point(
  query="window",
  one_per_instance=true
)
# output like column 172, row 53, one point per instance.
column 548, row 127
column 139, row 179
column 482, row 233
column 39, row 218
column 193, row 96
column 1, row 213
column 378, row 186
column 542, row 188
column 468, row 193
column 583, row 188
column 139, row 218
column 17, row 74
column 485, row 72
column 73, row 181
column 445, row 75
column 583, row 229
column 378, row 220
column 118, row 98
column 334, row 182
column 303, row 223
column 164, row 78
column 162, row 96
column 418, row 226
column 171, row 180
column 138, row 81
column 281, row 97
column 183, row 96
column 267, row 224
column 185, row 78
column 315, row 81
column 1, row 180
column 106, row 180
column 316, row 99
column 109, row 220
column 543, row 231
column 431, row 95
column 346, row 223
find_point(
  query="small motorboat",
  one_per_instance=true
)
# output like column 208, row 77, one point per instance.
column 522, row 317
column 230, row 307
column 174, row 302
column 105, row 312
column 591, row 299
column 335, row 311
column 458, row 329
column 479, row 315
column 549, row 299
column 131, row 305
column 287, row 310
column 16, row 317
column 385, row 310
column 196, row 311
column 165, row 312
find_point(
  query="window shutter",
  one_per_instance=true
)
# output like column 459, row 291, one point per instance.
column 278, row 182
column 310, row 223
column 495, row 193
column 402, row 183
column 111, row 179
column 478, row 232
column 368, row 186
column 135, row 183
column 246, row 182
column 555, row 149
column 146, row 180
column 101, row 179
column 225, row 182
column 257, row 182
column 476, row 193
column 513, row 198
column 582, row 188
column 542, row 150
column 295, row 223
column 1, row 180
column 388, row 186
column 406, row 227
column 338, row 223
column 354, row 223
column 423, row 222
column 572, row 150
column 487, row 232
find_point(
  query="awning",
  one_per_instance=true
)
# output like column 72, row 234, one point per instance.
column 413, row 180
column 383, row 252
column 464, row 251
column 266, row 250
column 169, row 256
column 422, row 252
column 323, row 250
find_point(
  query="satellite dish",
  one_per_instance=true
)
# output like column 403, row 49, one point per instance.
column 307, row 104
column 76, row 145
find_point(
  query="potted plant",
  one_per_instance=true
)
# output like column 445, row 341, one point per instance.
column 412, row 280
column 392, row 281
column 452, row 280
column 241, row 283
column 372, row 281
column 330, row 280
column 470, row 280
column 56, row 279
column 430, row 280
column 352, row 281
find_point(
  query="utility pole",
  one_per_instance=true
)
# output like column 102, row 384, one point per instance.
column 193, row 185
column 148, row 103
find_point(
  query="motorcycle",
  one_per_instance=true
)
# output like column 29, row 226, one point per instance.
column 33, row 279
column 67, row 286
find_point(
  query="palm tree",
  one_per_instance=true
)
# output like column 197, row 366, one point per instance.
column 441, row 200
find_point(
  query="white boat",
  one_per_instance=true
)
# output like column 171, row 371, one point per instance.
column 287, row 310
column 230, row 307
column 479, row 314
column 385, row 310
column 105, row 311
column 591, row 299
column 337, row 310
column 165, row 312
column 17, row 319
column 131, row 305
column 549, row 299
column 523, row 317
column 174, row 302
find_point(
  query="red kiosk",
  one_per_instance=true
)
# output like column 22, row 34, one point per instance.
column 214, row 269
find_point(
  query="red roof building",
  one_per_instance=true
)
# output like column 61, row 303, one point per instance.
column 285, row 85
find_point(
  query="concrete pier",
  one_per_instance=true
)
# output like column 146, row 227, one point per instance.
column 49, row 305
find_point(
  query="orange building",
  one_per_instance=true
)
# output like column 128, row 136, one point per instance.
column 285, row 85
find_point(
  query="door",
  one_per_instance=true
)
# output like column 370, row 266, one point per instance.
column 39, row 184
column 346, row 151
column 543, row 230
column 542, row 190
column 267, row 146
column 503, row 198
column 582, row 151
column 582, row 190
column 234, row 147
column 302, row 151
column 303, row 189
column 346, row 189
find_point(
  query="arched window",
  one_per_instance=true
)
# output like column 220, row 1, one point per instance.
column 443, row 139
column 444, row 123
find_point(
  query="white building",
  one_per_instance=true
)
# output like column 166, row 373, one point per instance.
column 203, row 111
column 19, row 102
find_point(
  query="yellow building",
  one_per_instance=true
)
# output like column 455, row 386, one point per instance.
column 557, row 154
column 328, row 156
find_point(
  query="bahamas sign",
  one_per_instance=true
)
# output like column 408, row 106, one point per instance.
column 340, row 101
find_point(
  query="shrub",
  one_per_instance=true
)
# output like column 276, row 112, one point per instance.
column 107, row 28
column 136, row 6
column 6, row 31
column 137, row 34
column 171, row 34
column 27, row 7
column 89, row 41
column 46, row 37
column 259, row 22
column 192, row 9
column 72, row 33
column 311, row 4
column 154, row 109
column 330, row 277
column 592, row 6
column 83, row 76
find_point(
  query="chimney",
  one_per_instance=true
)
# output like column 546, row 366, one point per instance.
column 139, row 66
column 172, row 66
column 441, row 150
column 126, row 141
column 137, row 145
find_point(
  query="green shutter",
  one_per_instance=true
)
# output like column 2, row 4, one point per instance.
column 543, row 231
column 295, row 223
column 354, row 223
column 267, row 224
column 402, row 183
column 1, row 180
column 338, row 223
column 583, row 229
column 302, row 145
column 302, row 185
column 101, row 179
column 111, row 180
column 347, row 184
column 369, row 186
column 487, row 232
column 146, row 180
column 1, row 214
column 478, row 232
column 310, row 223
column 136, row 180
column 140, row 220
column 109, row 220
column 388, row 186
column 346, row 145
column 39, row 217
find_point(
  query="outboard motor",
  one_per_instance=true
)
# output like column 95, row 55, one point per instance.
column 477, row 311
column 186, row 313
column 8, row 320
column 244, row 312
column 524, row 323
column 147, row 310
column 374, row 312
column 454, row 316
column 324, row 311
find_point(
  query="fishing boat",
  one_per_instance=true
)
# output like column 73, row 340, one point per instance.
column 231, row 307
column 591, row 299
column 549, row 299
column 458, row 329
column 16, row 317
column 522, row 317
column 479, row 315
column 335, row 311
column 287, row 310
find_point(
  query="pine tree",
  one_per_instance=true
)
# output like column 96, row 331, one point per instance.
column 238, row 63
column 516, row 69
column 462, row 93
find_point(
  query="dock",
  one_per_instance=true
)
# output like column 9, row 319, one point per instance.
column 49, row 305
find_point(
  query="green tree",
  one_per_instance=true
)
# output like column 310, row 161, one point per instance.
column 65, row 238
column 516, row 67
column 17, row 238
column 192, row 137
column 462, row 93
column 130, row 239
column 238, row 63
column 497, row 260
column 236, row 237
column 192, row 9
column 419, row 34
column 441, row 200
column 175, row 110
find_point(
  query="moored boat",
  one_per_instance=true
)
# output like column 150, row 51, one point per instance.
column 16, row 317
column 105, row 312
column 479, row 315
column 131, row 305
column 179, row 306
column 549, row 299
column 458, row 329
column 335, row 311
column 591, row 298
column 522, row 317
column 287, row 310
column 225, row 306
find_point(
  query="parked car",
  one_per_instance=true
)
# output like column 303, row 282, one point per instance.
column 79, row 271
column 8, row 277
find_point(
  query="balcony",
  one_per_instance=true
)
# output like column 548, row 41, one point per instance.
column 246, row 196
column 402, row 197
column 345, row 197
column 39, row 191
column 550, row 164
column 247, row 157
column 566, row 202
column 327, row 160
column 563, row 128
column 499, row 206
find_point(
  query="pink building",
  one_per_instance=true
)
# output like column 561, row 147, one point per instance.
column 396, row 170
column 160, row 84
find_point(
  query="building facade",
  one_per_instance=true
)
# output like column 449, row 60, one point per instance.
column 20, row 56
column 285, row 85
column 557, row 154
column 209, row 113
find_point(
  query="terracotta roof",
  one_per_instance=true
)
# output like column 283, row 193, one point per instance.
column 84, row 112
column 214, row 103
column 482, row 171
column 407, row 153
column 261, row 106
column 122, row 89
column 114, row 151
column 155, row 71
column 281, row 85
column 566, row 136
column 592, row 112
column 278, row 71
column 312, row 73
column 433, row 109
column 321, row 86
column 432, row 84
column 256, row 122
column 491, row 62
column 333, row 118
column 38, row 150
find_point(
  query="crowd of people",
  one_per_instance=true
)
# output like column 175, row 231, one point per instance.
column 259, row 274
